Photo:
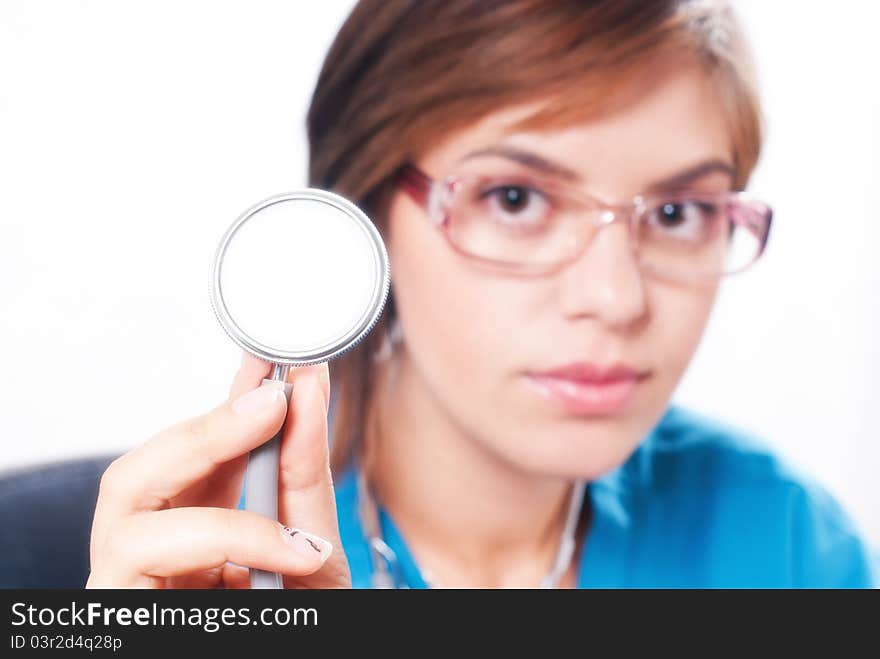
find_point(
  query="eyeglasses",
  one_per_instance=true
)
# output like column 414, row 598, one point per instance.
column 526, row 224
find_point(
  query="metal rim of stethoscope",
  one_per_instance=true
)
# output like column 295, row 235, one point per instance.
column 339, row 345
column 387, row 572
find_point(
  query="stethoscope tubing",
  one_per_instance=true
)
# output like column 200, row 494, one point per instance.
column 261, row 479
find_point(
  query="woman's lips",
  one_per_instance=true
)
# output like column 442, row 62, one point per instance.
column 591, row 392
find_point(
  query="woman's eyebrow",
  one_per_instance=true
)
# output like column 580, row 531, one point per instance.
column 683, row 178
column 527, row 158
column 534, row 161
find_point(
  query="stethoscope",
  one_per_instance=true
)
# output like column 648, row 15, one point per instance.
column 387, row 571
column 298, row 279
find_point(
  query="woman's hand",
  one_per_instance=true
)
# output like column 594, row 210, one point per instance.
column 166, row 514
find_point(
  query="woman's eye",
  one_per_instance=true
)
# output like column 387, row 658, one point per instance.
column 685, row 220
column 517, row 205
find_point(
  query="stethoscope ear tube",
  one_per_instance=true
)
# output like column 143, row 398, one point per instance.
column 261, row 485
column 386, row 567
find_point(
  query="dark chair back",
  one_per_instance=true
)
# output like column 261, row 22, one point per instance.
column 45, row 522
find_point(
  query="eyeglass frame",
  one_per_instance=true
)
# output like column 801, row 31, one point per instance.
column 424, row 190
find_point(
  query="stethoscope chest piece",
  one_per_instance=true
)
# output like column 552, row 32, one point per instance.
column 299, row 278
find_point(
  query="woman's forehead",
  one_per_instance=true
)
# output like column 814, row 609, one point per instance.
column 675, row 123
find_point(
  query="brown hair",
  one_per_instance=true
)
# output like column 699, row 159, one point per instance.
column 401, row 74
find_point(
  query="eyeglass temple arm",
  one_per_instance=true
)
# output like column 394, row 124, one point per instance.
column 415, row 182
column 761, row 228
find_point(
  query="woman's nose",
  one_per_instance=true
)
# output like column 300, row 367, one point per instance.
column 605, row 281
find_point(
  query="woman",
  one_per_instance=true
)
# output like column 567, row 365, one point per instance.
column 558, row 184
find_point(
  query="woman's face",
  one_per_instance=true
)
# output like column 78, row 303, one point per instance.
column 473, row 335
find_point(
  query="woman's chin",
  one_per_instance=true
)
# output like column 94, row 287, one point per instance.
column 563, row 453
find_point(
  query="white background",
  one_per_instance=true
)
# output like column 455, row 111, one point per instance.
column 132, row 134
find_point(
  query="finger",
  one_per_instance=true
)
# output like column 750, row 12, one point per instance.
column 188, row 451
column 177, row 458
column 224, row 487
column 250, row 374
column 180, row 541
column 306, row 485
column 236, row 577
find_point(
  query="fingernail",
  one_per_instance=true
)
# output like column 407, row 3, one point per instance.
column 257, row 400
column 307, row 544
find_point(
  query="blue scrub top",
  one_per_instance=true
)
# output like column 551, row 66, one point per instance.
column 698, row 504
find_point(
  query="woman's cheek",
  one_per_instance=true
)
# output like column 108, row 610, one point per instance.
column 447, row 313
column 473, row 338
column 679, row 318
